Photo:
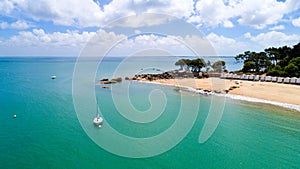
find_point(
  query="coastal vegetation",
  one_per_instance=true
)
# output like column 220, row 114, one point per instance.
column 283, row 61
column 196, row 65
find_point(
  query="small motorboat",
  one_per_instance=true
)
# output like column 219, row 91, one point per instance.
column 53, row 77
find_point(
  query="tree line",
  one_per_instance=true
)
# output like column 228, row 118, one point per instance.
column 282, row 61
column 196, row 65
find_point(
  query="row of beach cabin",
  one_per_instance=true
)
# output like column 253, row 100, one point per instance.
column 287, row 80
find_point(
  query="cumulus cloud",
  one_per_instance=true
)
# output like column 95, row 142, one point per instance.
column 66, row 12
column 89, row 13
column 274, row 38
column 144, row 42
column 6, row 6
column 189, row 45
column 136, row 21
column 38, row 37
column 279, row 27
column 255, row 13
column 213, row 13
column 296, row 22
column 227, row 46
column 20, row 24
column 38, row 42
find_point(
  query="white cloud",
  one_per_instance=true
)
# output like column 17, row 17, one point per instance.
column 137, row 31
column 296, row 22
column 247, row 35
column 66, row 12
column 274, row 38
column 279, row 27
column 86, row 13
column 151, row 42
column 38, row 42
column 255, row 13
column 228, row 24
column 178, row 8
column 20, row 24
column 259, row 14
column 292, row 5
column 4, row 25
column 6, row 6
column 146, row 19
column 213, row 13
column 227, row 46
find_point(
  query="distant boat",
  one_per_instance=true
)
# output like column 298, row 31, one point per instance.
column 53, row 77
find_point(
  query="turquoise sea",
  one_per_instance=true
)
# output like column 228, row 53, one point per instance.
column 48, row 134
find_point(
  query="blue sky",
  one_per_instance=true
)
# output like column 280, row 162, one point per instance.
column 63, row 28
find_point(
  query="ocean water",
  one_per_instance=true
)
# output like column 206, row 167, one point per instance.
column 48, row 134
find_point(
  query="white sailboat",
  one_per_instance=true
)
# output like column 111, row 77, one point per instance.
column 98, row 120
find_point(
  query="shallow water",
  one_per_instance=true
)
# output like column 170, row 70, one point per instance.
column 47, row 133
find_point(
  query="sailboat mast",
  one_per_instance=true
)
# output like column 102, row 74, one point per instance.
column 97, row 111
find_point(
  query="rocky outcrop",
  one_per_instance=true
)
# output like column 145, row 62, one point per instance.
column 169, row 75
column 107, row 81
column 151, row 77
column 118, row 79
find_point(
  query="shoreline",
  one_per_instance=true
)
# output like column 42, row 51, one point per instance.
column 243, row 91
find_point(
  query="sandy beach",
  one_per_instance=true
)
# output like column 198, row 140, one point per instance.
column 284, row 93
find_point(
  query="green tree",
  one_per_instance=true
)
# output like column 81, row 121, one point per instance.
column 276, row 71
column 284, row 55
column 219, row 66
column 181, row 63
column 248, row 67
column 295, row 52
column 273, row 54
column 194, row 65
column 296, row 61
column 207, row 66
column 197, row 64
column 292, row 70
column 255, row 61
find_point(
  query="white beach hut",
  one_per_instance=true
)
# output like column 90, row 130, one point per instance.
column 262, row 78
column 222, row 76
column 298, row 81
column 287, row 80
column 268, row 79
column 293, row 80
column 251, row 77
column 242, row 76
column 256, row 78
column 246, row 77
column 279, row 80
column 230, row 76
column 274, row 79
